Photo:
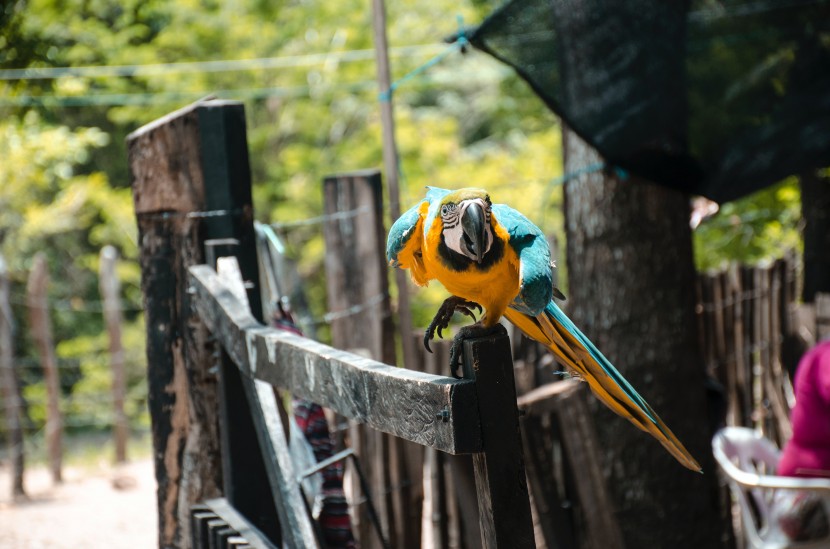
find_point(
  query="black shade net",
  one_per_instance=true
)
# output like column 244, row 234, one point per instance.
column 717, row 98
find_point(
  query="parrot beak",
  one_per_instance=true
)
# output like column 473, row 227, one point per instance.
column 475, row 233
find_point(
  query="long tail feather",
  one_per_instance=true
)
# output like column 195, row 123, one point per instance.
column 555, row 330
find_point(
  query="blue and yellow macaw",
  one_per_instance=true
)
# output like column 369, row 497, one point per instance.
column 491, row 256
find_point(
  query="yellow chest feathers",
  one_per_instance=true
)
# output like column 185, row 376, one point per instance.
column 493, row 284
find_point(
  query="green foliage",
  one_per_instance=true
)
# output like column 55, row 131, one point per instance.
column 466, row 121
column 761, row 226
column 47, row 205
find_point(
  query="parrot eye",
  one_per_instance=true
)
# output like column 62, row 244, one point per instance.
column 444, row 210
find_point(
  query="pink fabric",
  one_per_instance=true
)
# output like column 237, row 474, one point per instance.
column 807, row 454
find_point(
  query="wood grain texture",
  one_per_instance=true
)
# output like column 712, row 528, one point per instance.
column 394, row 400
column 165, row 162
column 361, row 318
column 225, row 510
column 167, row 177
column 295, row 523
column 501, row 483
column 602, row 530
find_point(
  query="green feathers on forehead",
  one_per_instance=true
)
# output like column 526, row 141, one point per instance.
column 465, row 194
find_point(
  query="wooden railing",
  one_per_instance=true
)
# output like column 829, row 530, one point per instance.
column 220, row 441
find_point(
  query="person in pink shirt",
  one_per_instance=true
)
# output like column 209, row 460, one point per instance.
column 807, row 453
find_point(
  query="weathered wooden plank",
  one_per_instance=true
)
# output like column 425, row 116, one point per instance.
column 235, row 520
column 168, row 178
column 213, row 527
column 501, row 484
column 744, row 402
column 582, row 449
column 555, row 528
column 356, row 272
column 361, row 318
column 295, row 523
column 244, row 464
column 401, row 402
column 199, row 516
column 542, row 399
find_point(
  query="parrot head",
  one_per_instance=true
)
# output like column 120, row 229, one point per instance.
column 466, row 220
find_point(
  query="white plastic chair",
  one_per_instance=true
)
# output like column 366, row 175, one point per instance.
column 749, row 461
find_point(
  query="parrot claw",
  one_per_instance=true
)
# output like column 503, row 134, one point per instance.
column 468, row 332
column 444, row 315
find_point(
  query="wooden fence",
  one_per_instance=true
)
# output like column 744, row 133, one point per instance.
column 218, row 432
column 748, row 333
column 220, row 440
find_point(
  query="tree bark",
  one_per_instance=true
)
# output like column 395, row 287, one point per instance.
column 630, row 264
column 815, row 211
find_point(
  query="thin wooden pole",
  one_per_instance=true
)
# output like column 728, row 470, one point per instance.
column 42, row 332
column 110, row 288
column 9, row 388
column 390, row 164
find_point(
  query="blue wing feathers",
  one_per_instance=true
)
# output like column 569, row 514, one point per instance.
column 530, row 245
column 436, row 194
column 403, row 229
column 400, row 233
column 537, row 290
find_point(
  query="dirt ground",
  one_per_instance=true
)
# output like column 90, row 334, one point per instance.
column 87, row 510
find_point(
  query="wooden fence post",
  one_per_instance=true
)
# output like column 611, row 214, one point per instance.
column 501, row 483
column 169, row 163
column 567, row 401
column 361, row 318
column 42, row 332
column 356, row 272
column 192, row 185
column 110, row 294
column 9, row 388
column 449, row 502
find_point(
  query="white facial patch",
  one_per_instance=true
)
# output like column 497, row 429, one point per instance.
column 454, row 234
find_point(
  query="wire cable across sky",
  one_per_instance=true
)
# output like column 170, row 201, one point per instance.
column 224, row 65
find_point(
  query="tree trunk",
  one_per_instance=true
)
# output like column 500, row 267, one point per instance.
column 630, row 265
column 815, row 211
